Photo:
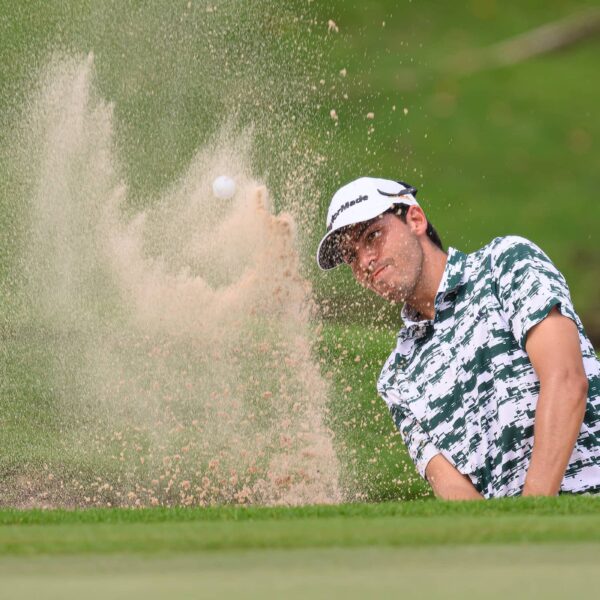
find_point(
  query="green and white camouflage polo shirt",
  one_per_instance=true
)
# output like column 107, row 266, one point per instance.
column 462, row 384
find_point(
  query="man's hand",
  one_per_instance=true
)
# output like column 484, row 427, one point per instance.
column 447, row 482
column 554, row 350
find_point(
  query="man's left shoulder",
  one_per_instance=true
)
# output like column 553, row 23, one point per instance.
column 500, row 248
column 506, row 255
column 509, row 246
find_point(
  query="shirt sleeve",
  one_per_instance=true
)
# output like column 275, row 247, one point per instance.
column 528, row 285
column 418, row 443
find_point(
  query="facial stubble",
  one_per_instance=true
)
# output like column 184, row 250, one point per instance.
column 405, row 290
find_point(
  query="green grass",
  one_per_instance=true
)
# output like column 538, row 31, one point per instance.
column 563, row 506
column 510, row 547
column 431, row 523
column 496, row 571
column 374, row 462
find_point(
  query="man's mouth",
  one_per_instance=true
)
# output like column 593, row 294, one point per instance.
column 377, row 272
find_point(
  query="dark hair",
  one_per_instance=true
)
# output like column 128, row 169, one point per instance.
column 400, row 211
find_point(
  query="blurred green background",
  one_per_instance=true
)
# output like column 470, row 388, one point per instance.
column 502, row 150
column 510, row 150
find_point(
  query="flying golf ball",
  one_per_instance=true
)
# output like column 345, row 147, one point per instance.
column 223, row 187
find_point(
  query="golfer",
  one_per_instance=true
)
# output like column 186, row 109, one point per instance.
column 493, row 384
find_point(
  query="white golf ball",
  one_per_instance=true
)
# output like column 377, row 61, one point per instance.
column 223, row 187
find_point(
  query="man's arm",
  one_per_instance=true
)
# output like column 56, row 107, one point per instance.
column 554, row 350
column 530, row 288
column 447, row 482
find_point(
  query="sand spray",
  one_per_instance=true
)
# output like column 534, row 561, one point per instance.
column 176, row 339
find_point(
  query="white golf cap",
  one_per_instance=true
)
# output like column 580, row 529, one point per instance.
column 358, row 201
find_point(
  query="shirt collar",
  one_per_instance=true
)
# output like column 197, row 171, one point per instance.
column 452, row 278
column 454, row 271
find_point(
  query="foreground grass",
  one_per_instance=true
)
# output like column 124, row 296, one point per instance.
column 551, row 571
column 422, row 523
column 514, row 548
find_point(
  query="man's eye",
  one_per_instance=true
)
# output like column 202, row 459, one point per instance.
column 373, row 235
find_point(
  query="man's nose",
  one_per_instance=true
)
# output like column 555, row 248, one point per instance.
column 365, row 259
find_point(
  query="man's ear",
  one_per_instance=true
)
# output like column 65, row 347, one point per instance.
column 416, row 220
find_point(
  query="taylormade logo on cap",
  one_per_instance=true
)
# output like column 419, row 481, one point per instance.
column 342, row 208
column 360, row 200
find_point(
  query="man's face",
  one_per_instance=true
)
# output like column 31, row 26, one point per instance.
column 385, row 256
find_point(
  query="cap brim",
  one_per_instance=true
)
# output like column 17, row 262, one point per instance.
column 328, row 253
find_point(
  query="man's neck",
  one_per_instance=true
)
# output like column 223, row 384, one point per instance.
column 423, row 298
